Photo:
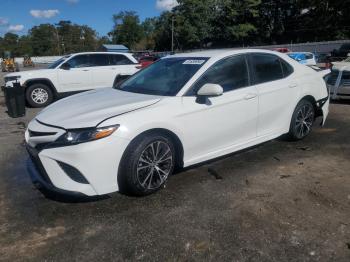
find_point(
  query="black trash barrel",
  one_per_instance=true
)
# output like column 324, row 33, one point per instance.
column 15, row 101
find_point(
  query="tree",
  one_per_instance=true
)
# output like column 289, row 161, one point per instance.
column 234, row 22
column 127, row 29
column 44, row 40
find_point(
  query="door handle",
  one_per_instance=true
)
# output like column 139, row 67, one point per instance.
column 250, row 96
column 86, row 70
column 293, row 85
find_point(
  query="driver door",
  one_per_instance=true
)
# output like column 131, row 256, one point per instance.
column 224, row 121
column 76, row 75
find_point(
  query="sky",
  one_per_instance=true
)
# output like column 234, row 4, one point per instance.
column 18, row 16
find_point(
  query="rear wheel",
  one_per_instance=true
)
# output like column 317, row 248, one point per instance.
column 146, row 165
column 39, row 95
column 302, row 120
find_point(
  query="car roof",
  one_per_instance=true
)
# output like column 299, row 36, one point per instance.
column 92, row 53
column 217, row 53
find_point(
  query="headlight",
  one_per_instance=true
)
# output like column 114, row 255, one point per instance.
column 12, row 78
column 77, row 136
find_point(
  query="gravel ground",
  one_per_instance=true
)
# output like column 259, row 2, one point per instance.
column 280, row 201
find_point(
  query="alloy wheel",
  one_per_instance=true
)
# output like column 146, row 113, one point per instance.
column 39, row 95
column 154, row 165
column 304, row 121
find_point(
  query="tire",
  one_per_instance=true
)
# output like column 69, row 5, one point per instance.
column 143, row 172
column 302, row 121
column 39, row 95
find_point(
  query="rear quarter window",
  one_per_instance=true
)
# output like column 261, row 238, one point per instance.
column 266, row 68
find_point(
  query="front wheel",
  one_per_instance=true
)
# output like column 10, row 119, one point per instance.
column 146, row 165
column 302, row 120
column 39, row 95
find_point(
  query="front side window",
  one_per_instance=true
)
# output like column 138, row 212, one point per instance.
column 79, row 61
column 266, row 68
column 99, row 60
column 165, row 77
column 58, row 62
column 230, row 73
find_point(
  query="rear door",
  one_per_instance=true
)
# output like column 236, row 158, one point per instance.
column 78, row 77
column 123, row 65
column 277, row 91
column 102, row 73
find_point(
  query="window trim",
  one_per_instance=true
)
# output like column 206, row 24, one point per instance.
column 253, row 73
column 250, row 83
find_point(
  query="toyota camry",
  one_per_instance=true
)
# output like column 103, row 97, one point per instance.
column 182, row 110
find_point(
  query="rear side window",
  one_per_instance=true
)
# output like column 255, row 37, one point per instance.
column 231, row 73
column 99, row 60
column 120, row 60
column 266, row 68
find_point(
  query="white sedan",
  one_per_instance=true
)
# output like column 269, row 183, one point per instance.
column 180, row 111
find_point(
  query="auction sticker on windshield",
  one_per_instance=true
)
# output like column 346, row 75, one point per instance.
column 193, row 62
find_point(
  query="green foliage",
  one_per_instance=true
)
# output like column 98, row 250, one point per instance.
column 127, row 29
column 197, row 24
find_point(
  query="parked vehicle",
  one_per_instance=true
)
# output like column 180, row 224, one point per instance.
column 339, row 80
column 342, row 52
column 305, row 58
column 147, row 60
column 180, row 111
column 282, row 50
column 72, row 74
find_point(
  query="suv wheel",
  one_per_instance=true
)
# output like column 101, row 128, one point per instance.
column 302, row 120
column 146, row 165
column 39, row 95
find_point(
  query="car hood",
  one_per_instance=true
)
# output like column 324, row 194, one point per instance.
column 30, row 73
column 90, row 108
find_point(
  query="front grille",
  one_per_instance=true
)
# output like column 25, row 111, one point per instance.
column 34, row 156
column 37, row 134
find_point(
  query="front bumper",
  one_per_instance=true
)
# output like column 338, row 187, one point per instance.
column 40, row 181
column 92, row 166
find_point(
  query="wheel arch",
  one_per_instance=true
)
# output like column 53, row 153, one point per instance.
column 44, row 81
column 179, row 149
column 312, row 100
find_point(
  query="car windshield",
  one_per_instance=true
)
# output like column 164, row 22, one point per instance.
column 165, row 77
column 57, row 63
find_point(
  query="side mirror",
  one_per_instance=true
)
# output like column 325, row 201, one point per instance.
column 210, row 90
column 65, row 66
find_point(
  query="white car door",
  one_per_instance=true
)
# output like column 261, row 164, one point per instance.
column 277, row 91
column 75, row 75
column 224, row 121
column 102, row 73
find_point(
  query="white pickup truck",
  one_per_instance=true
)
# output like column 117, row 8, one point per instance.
column 72, row 74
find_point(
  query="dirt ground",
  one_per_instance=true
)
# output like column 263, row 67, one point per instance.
column 279, row 201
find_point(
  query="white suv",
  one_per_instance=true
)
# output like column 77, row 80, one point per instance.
column 72, row 74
